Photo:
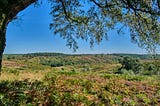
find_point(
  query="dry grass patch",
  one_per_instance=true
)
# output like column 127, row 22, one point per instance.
column 39, row 75
column 11, row 64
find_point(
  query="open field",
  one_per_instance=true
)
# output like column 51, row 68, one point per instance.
column 77, row 80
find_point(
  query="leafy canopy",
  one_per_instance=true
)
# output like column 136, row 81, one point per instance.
column 92, row 19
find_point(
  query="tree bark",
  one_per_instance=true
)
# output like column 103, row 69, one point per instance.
column 2, row 46
column 4, row 23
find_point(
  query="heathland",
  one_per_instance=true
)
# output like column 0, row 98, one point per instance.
column 56, row 79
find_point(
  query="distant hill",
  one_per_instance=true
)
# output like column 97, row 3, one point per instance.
column 91, row 57
column 45, row 54
column 141, row 56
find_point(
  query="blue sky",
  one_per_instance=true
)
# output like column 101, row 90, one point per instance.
column 31, row 33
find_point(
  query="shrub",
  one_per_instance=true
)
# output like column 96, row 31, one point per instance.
column 134, row 64
column 128, row 72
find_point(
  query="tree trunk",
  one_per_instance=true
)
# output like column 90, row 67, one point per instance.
column 2, row 45
column 13, row 8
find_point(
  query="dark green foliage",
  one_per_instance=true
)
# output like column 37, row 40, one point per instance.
column 130, row 64
column 152, row 68
column 133, row 64
column 56, row 64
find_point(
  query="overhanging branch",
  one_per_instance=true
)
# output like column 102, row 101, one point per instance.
column 19, row 6
column 107, row 5
column 68, row 17
column 147, row 11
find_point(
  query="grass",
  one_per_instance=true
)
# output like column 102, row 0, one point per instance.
column 22, row 76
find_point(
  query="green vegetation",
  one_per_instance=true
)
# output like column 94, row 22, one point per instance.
column 84, row 80
column 91, row 20
column 132, row 65
column 88, row 80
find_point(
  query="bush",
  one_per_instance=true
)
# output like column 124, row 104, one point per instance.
column 127, row 72
column 152, row 68
column 56, row 64
column 134, row 64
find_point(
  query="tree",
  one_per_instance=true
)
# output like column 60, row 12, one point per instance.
column 133, row 64
column 8, row 11
column 92, row 19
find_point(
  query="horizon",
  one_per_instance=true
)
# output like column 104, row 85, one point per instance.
column 76, row 53
column 31, row 34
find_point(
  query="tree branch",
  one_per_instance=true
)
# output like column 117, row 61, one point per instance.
column 18, row 6
column 149, row 11
column 158, row 2
column 105, row 6
column 68, row 17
